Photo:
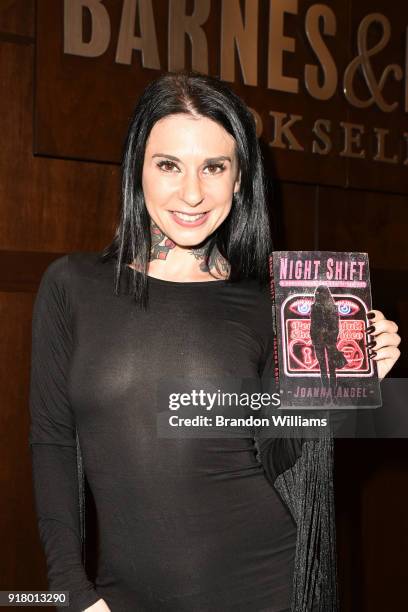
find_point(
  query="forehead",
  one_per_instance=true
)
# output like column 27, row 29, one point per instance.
column 191, row 135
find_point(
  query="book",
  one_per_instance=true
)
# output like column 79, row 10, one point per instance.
column 320, row 301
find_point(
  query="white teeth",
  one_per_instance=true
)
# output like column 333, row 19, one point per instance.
column 190, row 218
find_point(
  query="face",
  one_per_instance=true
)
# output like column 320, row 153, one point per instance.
column 190, row 174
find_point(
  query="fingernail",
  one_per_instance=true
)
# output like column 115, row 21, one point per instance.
column 370, row 329
column 370, row 315
column 371, row 344
column 372, row 354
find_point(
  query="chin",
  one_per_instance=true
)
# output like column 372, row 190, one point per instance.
column 189, row 239
column 193, row 237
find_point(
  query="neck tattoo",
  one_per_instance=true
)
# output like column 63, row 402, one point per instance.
column 161, row 245
column 216, row 262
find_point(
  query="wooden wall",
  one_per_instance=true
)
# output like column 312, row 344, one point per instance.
column 51, row 206
column 47, row 207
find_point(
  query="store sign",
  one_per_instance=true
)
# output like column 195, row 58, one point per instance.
column 320, row 85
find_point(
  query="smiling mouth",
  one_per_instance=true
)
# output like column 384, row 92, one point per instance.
column 187, row 217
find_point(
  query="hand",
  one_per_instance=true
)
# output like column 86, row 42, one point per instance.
column 386, row 343
column 98, row 606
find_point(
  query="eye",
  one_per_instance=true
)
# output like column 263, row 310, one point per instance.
column 347, row 307
column 167, row 166
column 166, row 162
column 220, row 167
column 301, row 306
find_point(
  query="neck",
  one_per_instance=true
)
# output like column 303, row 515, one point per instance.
column 169, row 261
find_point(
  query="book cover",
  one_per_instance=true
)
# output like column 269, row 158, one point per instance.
column 320, row 301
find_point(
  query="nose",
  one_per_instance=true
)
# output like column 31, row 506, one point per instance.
column 191, row 190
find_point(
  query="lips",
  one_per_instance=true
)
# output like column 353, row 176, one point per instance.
column 188, row 216
column 189, row 219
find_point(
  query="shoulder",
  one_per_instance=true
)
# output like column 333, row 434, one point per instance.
column 51, row 300
column 65, row 273
column 54, row 280
column 86, row 263
column 66, row 268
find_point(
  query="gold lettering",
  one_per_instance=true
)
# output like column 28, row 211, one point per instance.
column 146, row 42
column 350, row 139
column 181, row 24
column 284, row 129
column 325, row 91
column 278, row 43
column 380, row 155
column 73, row 31
column 363, row 62
column 244, row 37
column 323, row 136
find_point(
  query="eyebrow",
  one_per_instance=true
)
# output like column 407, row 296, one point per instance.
column 209, row 160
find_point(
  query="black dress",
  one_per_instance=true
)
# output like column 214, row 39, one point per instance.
column 184, row 523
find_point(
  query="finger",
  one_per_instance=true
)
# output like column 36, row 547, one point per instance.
column 387, row 352
column 378, row 315
column 384, row 339
column 383, row 325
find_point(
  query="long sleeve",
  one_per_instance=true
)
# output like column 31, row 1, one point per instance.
column 52, row 439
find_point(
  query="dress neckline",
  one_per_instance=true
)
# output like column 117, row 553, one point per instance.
column 160, row 281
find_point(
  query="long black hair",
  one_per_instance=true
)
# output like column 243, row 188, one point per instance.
column 243, row 238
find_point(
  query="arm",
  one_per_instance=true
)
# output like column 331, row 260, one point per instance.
column 52, row 440
column 279, row 450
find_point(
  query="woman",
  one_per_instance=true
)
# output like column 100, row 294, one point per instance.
column 190, row 523
column 324, row 330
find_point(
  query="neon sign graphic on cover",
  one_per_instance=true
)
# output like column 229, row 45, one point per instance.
column 298, row 352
